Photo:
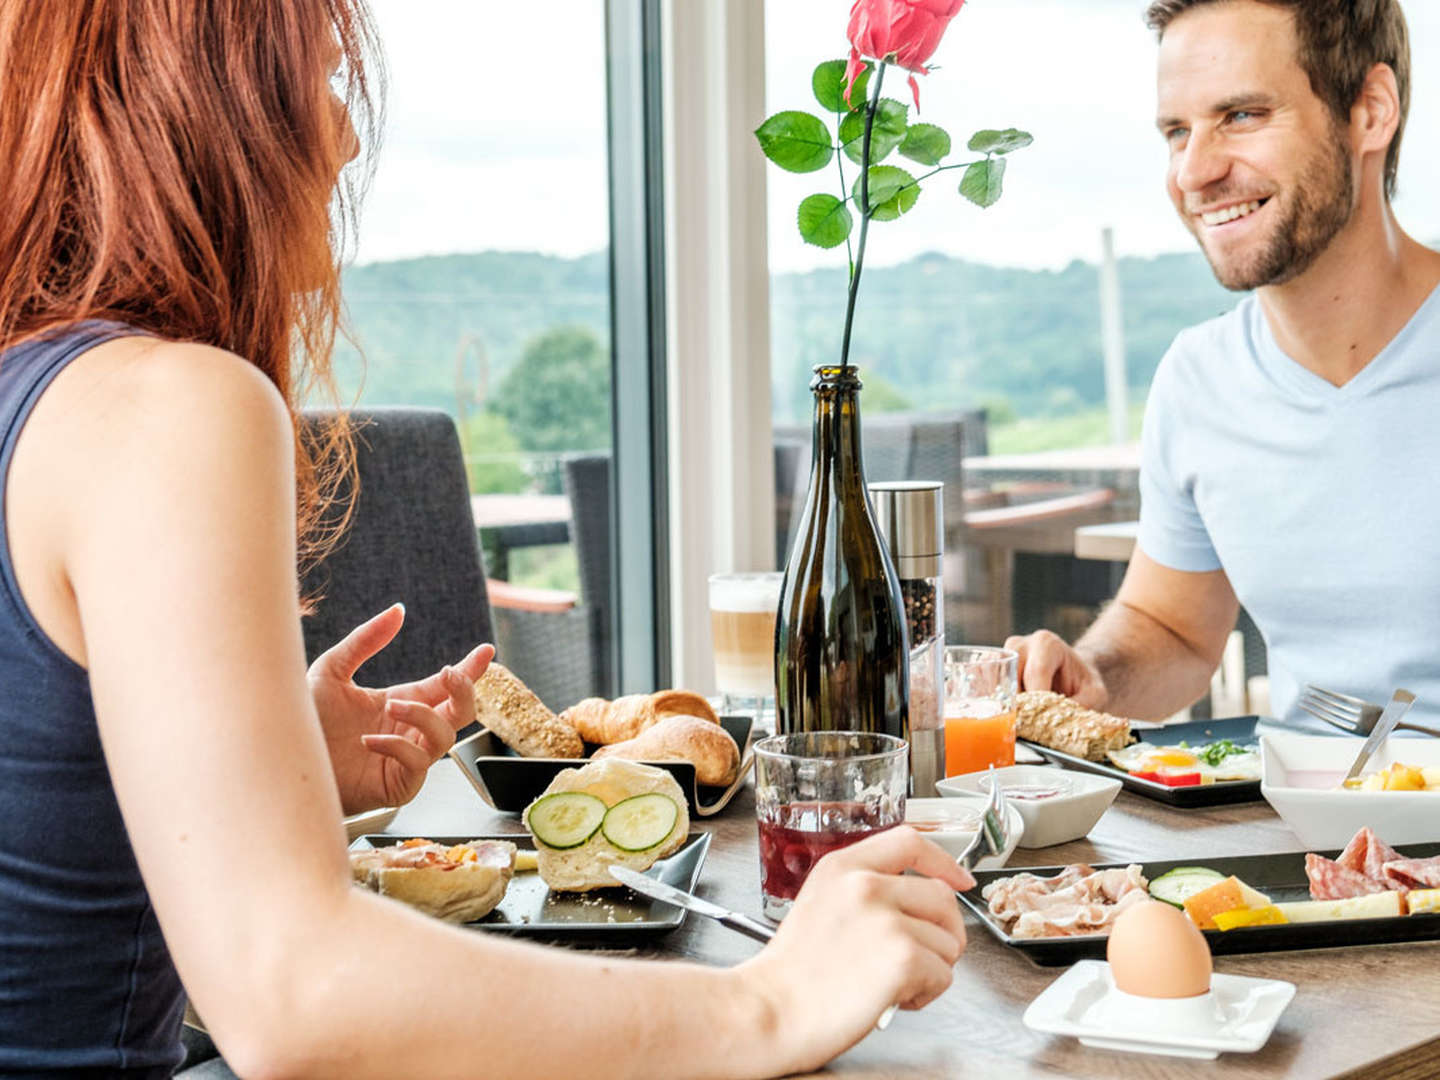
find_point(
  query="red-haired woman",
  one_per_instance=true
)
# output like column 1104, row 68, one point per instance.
column 168, row 280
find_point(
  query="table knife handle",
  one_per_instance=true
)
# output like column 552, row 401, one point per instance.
column 748, row 926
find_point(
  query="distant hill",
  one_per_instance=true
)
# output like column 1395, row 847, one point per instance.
column 938, row 330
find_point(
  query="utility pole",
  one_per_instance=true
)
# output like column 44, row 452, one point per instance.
column 1112, row 335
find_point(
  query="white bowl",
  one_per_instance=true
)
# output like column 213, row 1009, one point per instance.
column 952, row 822
column 1300, row 778
column 1057, row 819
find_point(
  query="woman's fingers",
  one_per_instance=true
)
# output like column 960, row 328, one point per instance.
column 436, row 690
column 344, row 658
column 432, row 732
column 896, row 850
column 415, row 760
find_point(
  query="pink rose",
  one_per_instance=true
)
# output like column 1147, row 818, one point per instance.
column 903, row 32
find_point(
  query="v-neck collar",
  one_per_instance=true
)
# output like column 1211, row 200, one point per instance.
column 1288, row 371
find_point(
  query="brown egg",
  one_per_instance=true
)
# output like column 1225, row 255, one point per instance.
column 1155, row 951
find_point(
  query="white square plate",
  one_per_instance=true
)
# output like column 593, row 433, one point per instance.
column 1246, row 1012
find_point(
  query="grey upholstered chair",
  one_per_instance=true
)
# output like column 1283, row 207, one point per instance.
column 412, row 539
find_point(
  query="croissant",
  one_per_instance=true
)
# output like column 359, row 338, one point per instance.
column 604, row 722
column 709, row 747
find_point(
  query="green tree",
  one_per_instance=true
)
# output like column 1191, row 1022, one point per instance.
column 492, row 456
column 557, row 398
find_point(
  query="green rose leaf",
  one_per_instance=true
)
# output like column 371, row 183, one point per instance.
column 796, row 141
column 925, row 143
column 893, row 192
column 983, row 181
column 1000, row 142
column 824, row 221
column 885, row 136
column 828, row 82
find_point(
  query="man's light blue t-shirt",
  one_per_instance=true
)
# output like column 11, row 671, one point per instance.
column 1321, row 503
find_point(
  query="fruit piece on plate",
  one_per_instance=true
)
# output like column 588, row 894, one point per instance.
column 1228, row 895
column 1269, row 915
column 1374, row 906
column 1176, row 886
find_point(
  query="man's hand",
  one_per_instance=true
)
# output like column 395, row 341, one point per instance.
column 382, row 742
column 1048, row 663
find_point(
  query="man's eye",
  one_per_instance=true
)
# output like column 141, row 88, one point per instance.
column 1242, row 116
column 1176, row 136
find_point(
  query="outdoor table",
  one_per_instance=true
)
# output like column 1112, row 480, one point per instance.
column 506, row 522
column 1371, row 1012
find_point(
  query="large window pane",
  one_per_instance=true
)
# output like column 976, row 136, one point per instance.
column 482, row 288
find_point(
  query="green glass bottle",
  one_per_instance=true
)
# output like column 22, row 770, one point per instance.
column 841, row 651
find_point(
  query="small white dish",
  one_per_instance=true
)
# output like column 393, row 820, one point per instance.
column 1238, row 1015
column 370, row 821
column 1057, row 819
column 1300, row 777
column 951, row 822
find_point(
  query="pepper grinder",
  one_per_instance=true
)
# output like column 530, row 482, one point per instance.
column 911, row 519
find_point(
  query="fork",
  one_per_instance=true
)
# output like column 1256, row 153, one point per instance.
column 1347, row 713
column 994, row 831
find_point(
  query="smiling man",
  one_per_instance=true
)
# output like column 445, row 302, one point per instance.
column 1289, row 459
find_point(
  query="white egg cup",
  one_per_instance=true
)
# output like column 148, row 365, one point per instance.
column 1163, row 1016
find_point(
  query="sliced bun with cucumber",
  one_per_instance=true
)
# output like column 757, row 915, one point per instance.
column 605, row 813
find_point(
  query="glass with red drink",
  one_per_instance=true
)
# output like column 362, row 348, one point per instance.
column 818, row 791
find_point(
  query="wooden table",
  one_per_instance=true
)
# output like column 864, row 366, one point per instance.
column 1114, row 542
column 506, row 522
column 1370, row 1012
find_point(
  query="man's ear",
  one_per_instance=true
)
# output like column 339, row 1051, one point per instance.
column 1375, row 116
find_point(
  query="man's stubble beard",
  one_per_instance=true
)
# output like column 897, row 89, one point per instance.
column 1323, row 205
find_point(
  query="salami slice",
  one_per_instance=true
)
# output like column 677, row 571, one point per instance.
column 1413, row 873
column 1329, row 880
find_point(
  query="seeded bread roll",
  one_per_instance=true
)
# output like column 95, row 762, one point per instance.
column 1056, row 721
column 519, row 719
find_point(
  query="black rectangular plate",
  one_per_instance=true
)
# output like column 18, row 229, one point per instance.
column 509, row 782
column 1240, row 729
column 1281, row 877
column 530, row 908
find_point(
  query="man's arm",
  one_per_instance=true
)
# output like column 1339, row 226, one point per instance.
column 1151, row 652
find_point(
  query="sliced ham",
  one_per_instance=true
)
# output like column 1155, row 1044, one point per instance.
column 1078, row 900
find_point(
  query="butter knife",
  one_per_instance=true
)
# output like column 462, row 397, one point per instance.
column 1394, row 712
column 658, row 890
column 735, row 920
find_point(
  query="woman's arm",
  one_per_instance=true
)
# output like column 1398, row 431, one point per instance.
column 170, row 473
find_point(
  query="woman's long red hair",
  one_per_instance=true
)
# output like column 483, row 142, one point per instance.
column 173, row 165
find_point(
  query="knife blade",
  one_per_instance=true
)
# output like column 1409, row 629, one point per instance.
column 658, row 890
column 735, row 920
column 1394, row 712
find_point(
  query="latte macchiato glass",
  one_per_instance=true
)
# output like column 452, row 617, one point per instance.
column 742, row 631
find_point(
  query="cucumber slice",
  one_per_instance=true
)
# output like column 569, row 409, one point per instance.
column 565, row 819
column 1176, row 886
column 640, row 822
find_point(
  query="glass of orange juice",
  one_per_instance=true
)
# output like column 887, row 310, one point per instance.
column 980, row 687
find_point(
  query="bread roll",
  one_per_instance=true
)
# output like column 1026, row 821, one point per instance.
column 519, row 719
column 604, row 722
column 458, row 884
column 1056, row 721
column 685, row 738
column 583, row 868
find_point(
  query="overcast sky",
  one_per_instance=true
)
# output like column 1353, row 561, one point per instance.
column 493, row 144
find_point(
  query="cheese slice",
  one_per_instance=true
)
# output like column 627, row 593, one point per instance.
column 1232, row 894
column 1269, row 915
column 1423, row 901
column 1374, row 906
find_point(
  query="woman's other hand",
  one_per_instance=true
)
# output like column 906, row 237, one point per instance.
column 861, row 936
column 382, row 742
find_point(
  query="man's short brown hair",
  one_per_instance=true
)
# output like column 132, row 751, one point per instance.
column 1340, row 41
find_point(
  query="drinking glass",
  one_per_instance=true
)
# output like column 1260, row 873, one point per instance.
column 980, row 689
column 742, row 630
column 817, row 791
